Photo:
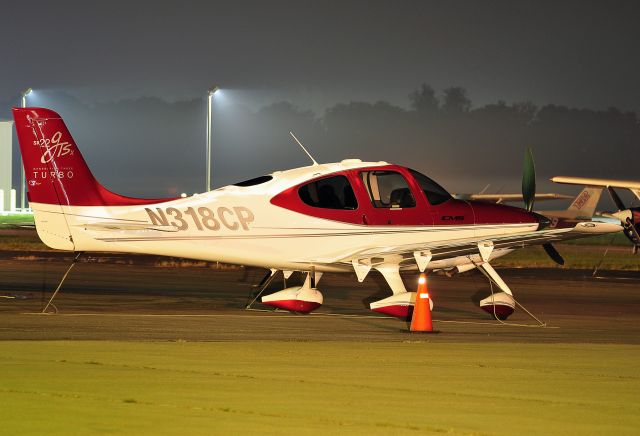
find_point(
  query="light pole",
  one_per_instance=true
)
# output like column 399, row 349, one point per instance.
column 23, row 184
column 210, row 93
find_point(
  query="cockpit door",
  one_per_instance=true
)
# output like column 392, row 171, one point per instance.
column 393, row 199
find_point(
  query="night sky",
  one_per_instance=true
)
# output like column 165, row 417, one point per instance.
column 316, row 55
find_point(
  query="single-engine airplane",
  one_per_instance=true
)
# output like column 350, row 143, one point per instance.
column 350, row 216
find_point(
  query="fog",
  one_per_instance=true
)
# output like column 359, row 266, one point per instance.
column 151, row 147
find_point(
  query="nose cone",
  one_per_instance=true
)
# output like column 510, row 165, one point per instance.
column 488, row 213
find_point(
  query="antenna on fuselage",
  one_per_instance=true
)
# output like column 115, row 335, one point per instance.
column 302, row 146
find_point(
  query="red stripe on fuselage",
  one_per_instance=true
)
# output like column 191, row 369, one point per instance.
column 451, row 212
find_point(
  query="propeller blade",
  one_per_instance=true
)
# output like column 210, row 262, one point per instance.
column 631, row 231
column 528, row 181
column 553, row 253
column 616, row 199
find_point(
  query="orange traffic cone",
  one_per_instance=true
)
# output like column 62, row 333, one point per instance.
column 421, row 319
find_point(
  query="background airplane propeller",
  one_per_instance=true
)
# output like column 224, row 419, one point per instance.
column 629, row 218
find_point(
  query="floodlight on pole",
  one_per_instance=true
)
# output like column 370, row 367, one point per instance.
column 23, row 179
column 24, row 96
column 210, row 92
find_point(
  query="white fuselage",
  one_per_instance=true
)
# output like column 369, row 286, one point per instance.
column 229, row 227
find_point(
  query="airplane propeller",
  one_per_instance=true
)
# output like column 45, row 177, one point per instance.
column 528, row 181
column 629, row 218
column 529, row 196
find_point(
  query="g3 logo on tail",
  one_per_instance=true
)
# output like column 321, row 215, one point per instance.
column 53, row 148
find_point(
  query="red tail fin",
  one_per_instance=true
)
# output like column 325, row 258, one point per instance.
column 55, row 171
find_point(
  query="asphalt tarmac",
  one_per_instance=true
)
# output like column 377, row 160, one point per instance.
column 135, row 298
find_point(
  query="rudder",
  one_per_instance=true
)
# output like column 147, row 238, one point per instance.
column 55, row 170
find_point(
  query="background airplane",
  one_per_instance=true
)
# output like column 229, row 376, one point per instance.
column 628, row 216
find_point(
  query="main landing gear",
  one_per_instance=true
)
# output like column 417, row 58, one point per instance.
column 307, row 298
column 501, row 304
column 401, row 303
column 300, row 299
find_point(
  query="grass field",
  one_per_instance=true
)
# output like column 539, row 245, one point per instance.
column 410, row 387
column 576, row 256
column 12, row 220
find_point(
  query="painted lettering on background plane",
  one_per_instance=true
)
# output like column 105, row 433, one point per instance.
column 202, row 218
column 581, row 200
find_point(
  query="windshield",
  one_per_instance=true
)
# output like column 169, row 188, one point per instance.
column 435, row 193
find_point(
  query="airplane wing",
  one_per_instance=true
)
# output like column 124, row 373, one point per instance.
column 448, row 249
column 633, row 186
column 505, row 198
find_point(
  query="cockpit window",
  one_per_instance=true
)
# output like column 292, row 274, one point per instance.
column 252, row 182
column 330, row 193
column 388, row 189
column 435, row 193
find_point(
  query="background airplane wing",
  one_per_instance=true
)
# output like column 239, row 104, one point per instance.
column 631, row 185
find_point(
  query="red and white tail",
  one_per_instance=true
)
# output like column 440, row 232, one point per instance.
column 54, row 168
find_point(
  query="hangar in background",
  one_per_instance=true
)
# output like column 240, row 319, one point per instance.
column 7, row 195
